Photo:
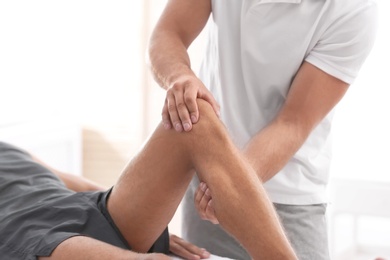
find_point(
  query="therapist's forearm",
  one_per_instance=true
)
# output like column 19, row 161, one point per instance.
column 270, row 150
column 179, row 24
column 168, row 58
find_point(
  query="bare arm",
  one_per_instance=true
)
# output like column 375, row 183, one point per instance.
column 312, row 96
column 180, row 23
column 84, row 248
column 73, row 182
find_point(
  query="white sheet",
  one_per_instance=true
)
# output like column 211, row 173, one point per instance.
column 212, row 257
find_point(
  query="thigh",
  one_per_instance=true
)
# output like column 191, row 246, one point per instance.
column 147, row 194
column 306, row 228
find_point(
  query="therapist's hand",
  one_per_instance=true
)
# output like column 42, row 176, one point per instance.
column 204, row 203
column 185, row 249
column 180, row 110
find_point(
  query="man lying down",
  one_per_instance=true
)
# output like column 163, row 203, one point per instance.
column 46, row 214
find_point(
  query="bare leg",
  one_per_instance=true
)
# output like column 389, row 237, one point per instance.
column 152, row 185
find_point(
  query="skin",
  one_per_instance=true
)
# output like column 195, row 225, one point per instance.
column 185, row 249
column 71, row 181
column 177, row 245
column 180, row 23
column 85, row 248
column 313, row 93
column 166, row 165
column 204, row 203
column 237, row 192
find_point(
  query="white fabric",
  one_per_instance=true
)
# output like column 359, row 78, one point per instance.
column 256, row 47
column 212, row 257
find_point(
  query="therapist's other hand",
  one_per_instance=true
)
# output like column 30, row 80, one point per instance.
column 204, row 203
column 180, row 110
column 185, row 249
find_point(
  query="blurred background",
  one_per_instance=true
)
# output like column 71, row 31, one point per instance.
column 75, row 90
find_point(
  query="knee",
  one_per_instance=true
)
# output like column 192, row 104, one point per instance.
column 207, row 133
column 208, row 125
column 206, row 111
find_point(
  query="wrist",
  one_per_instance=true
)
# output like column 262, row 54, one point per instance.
column 180, row 74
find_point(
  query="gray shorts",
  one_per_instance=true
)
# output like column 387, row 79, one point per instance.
column 305, row 227
column 37, row 211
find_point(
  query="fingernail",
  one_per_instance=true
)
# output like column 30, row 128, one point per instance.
column 187, row 126
column 178, row 127
column 203, row 186
column 166, row 125
column 193, row 119
column 218, row 113
column 205, row 253
column 208, row 193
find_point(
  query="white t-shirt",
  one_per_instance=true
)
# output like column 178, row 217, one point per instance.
column 254, row 50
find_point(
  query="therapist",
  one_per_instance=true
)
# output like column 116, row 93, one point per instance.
column 273, row 70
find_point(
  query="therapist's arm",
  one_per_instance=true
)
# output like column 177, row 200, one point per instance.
column 313, row 94
column 180, row 23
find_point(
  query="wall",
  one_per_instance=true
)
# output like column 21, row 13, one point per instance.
column 83, row 61
column 79, row 61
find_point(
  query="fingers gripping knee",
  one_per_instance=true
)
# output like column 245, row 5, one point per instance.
column 208, row 120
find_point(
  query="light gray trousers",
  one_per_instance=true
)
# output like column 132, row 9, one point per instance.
column 305, row 227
